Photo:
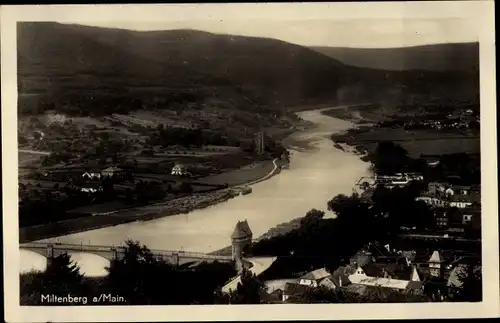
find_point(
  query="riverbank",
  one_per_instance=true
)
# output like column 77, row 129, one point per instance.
column 142, row 213
column 280, row 229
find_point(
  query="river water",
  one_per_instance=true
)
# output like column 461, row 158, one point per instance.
column 318, row 171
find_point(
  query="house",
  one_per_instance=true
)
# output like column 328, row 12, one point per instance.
column 436, row 188
column 475, row 189
column 395, row 277
column 340, row 277
column 461, row 189
column 179, row 170
column 463, row 201
column 441, row 219
column 469, row 213
column 436, row 264
column 415, row 176
column 294, row 290
column 113, row 172
column 432, row 162
column 92, row 175
column 314, row 278
column 449, row 192
column 91, row 188
column 432, row 201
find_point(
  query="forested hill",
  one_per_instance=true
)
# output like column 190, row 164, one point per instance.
column 91, row 70
column 440, row 57
column 57, row 61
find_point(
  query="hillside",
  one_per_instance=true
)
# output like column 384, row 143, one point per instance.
column 58, row 61
column 440, row 57
column 98, row 71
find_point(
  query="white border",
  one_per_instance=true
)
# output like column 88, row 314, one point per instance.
column 482, row 12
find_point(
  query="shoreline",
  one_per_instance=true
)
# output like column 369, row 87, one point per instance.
column 149, row 212
column 288, row 226
column 163, row 209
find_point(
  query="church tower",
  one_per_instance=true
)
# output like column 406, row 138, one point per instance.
column 241, row 242
column 435, row 263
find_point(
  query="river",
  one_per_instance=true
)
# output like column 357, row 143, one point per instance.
column 318, row 171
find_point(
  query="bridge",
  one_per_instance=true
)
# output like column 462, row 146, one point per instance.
column 52, row 250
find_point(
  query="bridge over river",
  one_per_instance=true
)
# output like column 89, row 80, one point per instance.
column 51, row 250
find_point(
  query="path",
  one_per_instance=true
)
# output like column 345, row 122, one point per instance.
column 36, row 152
column 259, row 265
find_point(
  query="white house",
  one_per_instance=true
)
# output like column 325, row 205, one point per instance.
column 449, row 192
column 377, row 276
column 92, row 175
column 314, row 278
column 179, row 170
column 113, row 171
column 91, row 189
column 432, row 201
column 461, row 201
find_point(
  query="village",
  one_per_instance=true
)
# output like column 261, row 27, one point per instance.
column 427, row 262
column 175, row 181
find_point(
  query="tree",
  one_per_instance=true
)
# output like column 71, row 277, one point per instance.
column 471, row 284
column 61, row 277
column 141, row 278
column 186, row 188
column 312, row 218
column 248, row 290
column 390, row 158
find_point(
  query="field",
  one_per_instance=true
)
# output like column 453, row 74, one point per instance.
column 416, row 142
column 356, row 114
column 241, row 176
column 436, row 146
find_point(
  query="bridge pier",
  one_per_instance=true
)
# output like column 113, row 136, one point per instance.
column 50, row 254
column 114, row 257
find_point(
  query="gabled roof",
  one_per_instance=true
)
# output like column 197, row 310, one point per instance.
column 316, row 274
column 436, row 257
column 295, row 289
column 414, row 285
column 340, row 277
column 241, row 230
column 373, row 270
column 112, row 169
column 461, row 187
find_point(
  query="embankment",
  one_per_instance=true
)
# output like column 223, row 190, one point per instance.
column 142, row 213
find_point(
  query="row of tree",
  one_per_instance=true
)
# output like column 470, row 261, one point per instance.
column 390, row 158
column 139, row 277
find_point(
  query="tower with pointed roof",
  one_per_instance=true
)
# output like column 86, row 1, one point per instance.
column 435, row 264
column 241, row 242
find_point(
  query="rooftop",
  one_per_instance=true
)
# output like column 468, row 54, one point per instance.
column 112, row 169
column 316, row 274
column 295, row 289
column 466, row 198
column 241, row 230
column 378, row 282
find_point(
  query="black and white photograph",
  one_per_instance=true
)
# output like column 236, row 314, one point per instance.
column 249, row 154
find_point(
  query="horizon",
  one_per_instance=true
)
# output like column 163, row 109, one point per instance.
column 252, row 36
column 368, row 33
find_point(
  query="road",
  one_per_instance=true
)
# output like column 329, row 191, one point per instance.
column 259, row 265
column 29, row 151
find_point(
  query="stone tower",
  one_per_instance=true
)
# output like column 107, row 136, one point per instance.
column 241, row 242
column 259, row 142
column 435, row 264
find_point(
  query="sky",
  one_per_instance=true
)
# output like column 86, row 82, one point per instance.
column 352, row 24
column 364, row 33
